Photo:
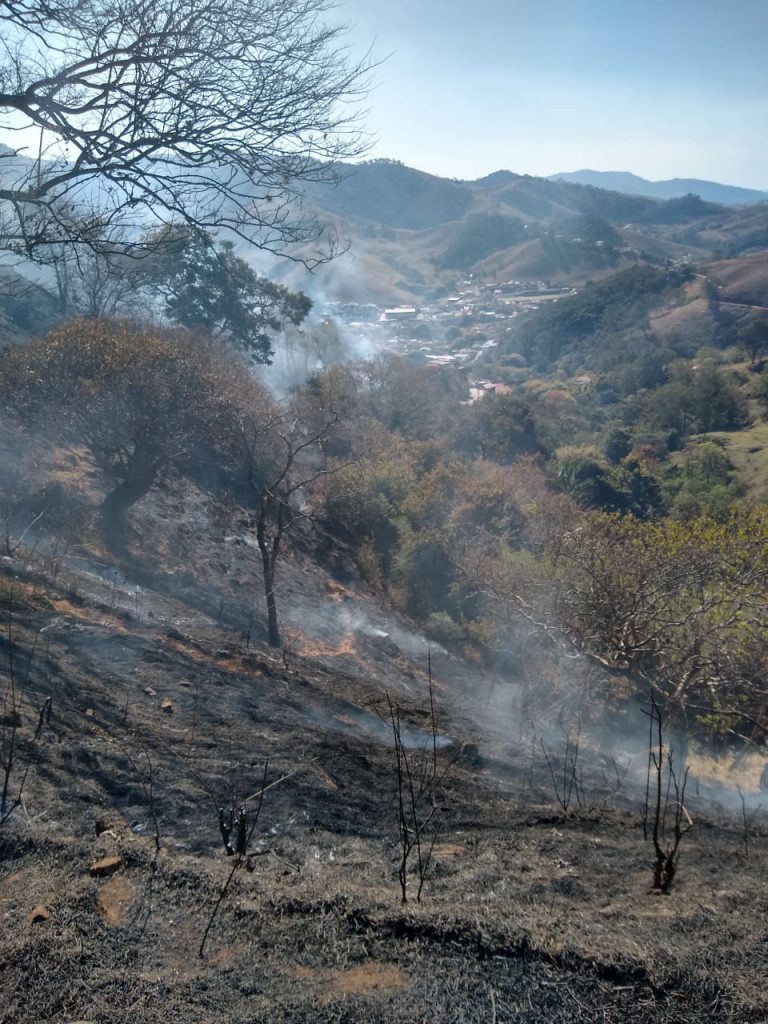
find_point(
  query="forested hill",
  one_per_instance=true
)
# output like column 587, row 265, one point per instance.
column 409, row 233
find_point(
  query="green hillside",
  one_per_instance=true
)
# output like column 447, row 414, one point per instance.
column 409, row 233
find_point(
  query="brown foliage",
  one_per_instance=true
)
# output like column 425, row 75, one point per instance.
column 142, row 400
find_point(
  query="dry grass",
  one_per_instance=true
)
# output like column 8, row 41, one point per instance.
column 528, row 914
column 748, row 450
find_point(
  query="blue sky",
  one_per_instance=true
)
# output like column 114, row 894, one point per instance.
column 664, row 89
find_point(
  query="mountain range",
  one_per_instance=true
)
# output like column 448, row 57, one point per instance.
column 410, row 235
column 673, row 188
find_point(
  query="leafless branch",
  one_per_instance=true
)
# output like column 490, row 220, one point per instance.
column 217, row 114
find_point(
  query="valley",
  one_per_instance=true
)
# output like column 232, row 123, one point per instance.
column 510, row 475
column 383, row 542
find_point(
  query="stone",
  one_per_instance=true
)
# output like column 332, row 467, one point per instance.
column 167, row 705
column 105, row 866
column 114, row 898
column 38, row 914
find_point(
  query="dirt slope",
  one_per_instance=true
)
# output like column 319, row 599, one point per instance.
column 164, row 709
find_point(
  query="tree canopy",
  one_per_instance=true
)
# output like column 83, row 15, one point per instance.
column 141, row 400
column 213, row 289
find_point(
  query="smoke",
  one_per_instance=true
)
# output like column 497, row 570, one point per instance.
column 411, row 643
column 532, row 698
column 365, row 725
column 324, row 340
column 332, row 333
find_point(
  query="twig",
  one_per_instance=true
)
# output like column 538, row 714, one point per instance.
column 244, row 839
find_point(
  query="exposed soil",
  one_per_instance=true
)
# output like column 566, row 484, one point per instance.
column 166, row 705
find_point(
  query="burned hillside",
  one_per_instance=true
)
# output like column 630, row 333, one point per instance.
column 166, row 704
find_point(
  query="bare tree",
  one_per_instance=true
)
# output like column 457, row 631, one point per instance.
column 99, row 278
column 215, row 113
column 418, row 776
column 664, row 804
column 295, row 463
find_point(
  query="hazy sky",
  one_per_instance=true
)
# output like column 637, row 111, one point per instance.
column 664, row 88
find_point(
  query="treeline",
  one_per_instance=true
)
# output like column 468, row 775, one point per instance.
column 503, row 526
column 586, row 326
column 494, row 550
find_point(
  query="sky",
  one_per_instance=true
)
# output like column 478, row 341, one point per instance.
column 662, row 88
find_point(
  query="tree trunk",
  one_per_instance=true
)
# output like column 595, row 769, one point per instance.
column 269, row 554
column 141, row 472
column 272, row 627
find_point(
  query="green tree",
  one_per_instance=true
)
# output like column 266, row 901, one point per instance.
column 499, row 427
column 754, row 337
column 364, row 501
column 209, row 287
column 694, row 400
column 618, row 444
column 583, row 474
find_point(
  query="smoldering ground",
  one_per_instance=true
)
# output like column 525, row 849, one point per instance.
column 530, row 699
column 531, row 910
column 543, row 913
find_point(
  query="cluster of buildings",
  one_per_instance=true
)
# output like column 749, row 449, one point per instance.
column 455, row 330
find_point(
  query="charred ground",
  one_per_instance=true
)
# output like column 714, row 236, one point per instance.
column 166, row 704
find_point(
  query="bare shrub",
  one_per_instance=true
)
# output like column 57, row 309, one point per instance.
column 237, row 829
column 664, row 817
column 566, row 776
column 418, row 775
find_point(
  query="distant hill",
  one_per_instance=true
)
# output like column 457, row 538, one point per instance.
column 632, row 184
column 409, row 235
column 389, row 193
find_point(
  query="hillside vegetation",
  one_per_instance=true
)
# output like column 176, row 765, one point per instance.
column 431, row 685
column 412, row 230
column 194, row 815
